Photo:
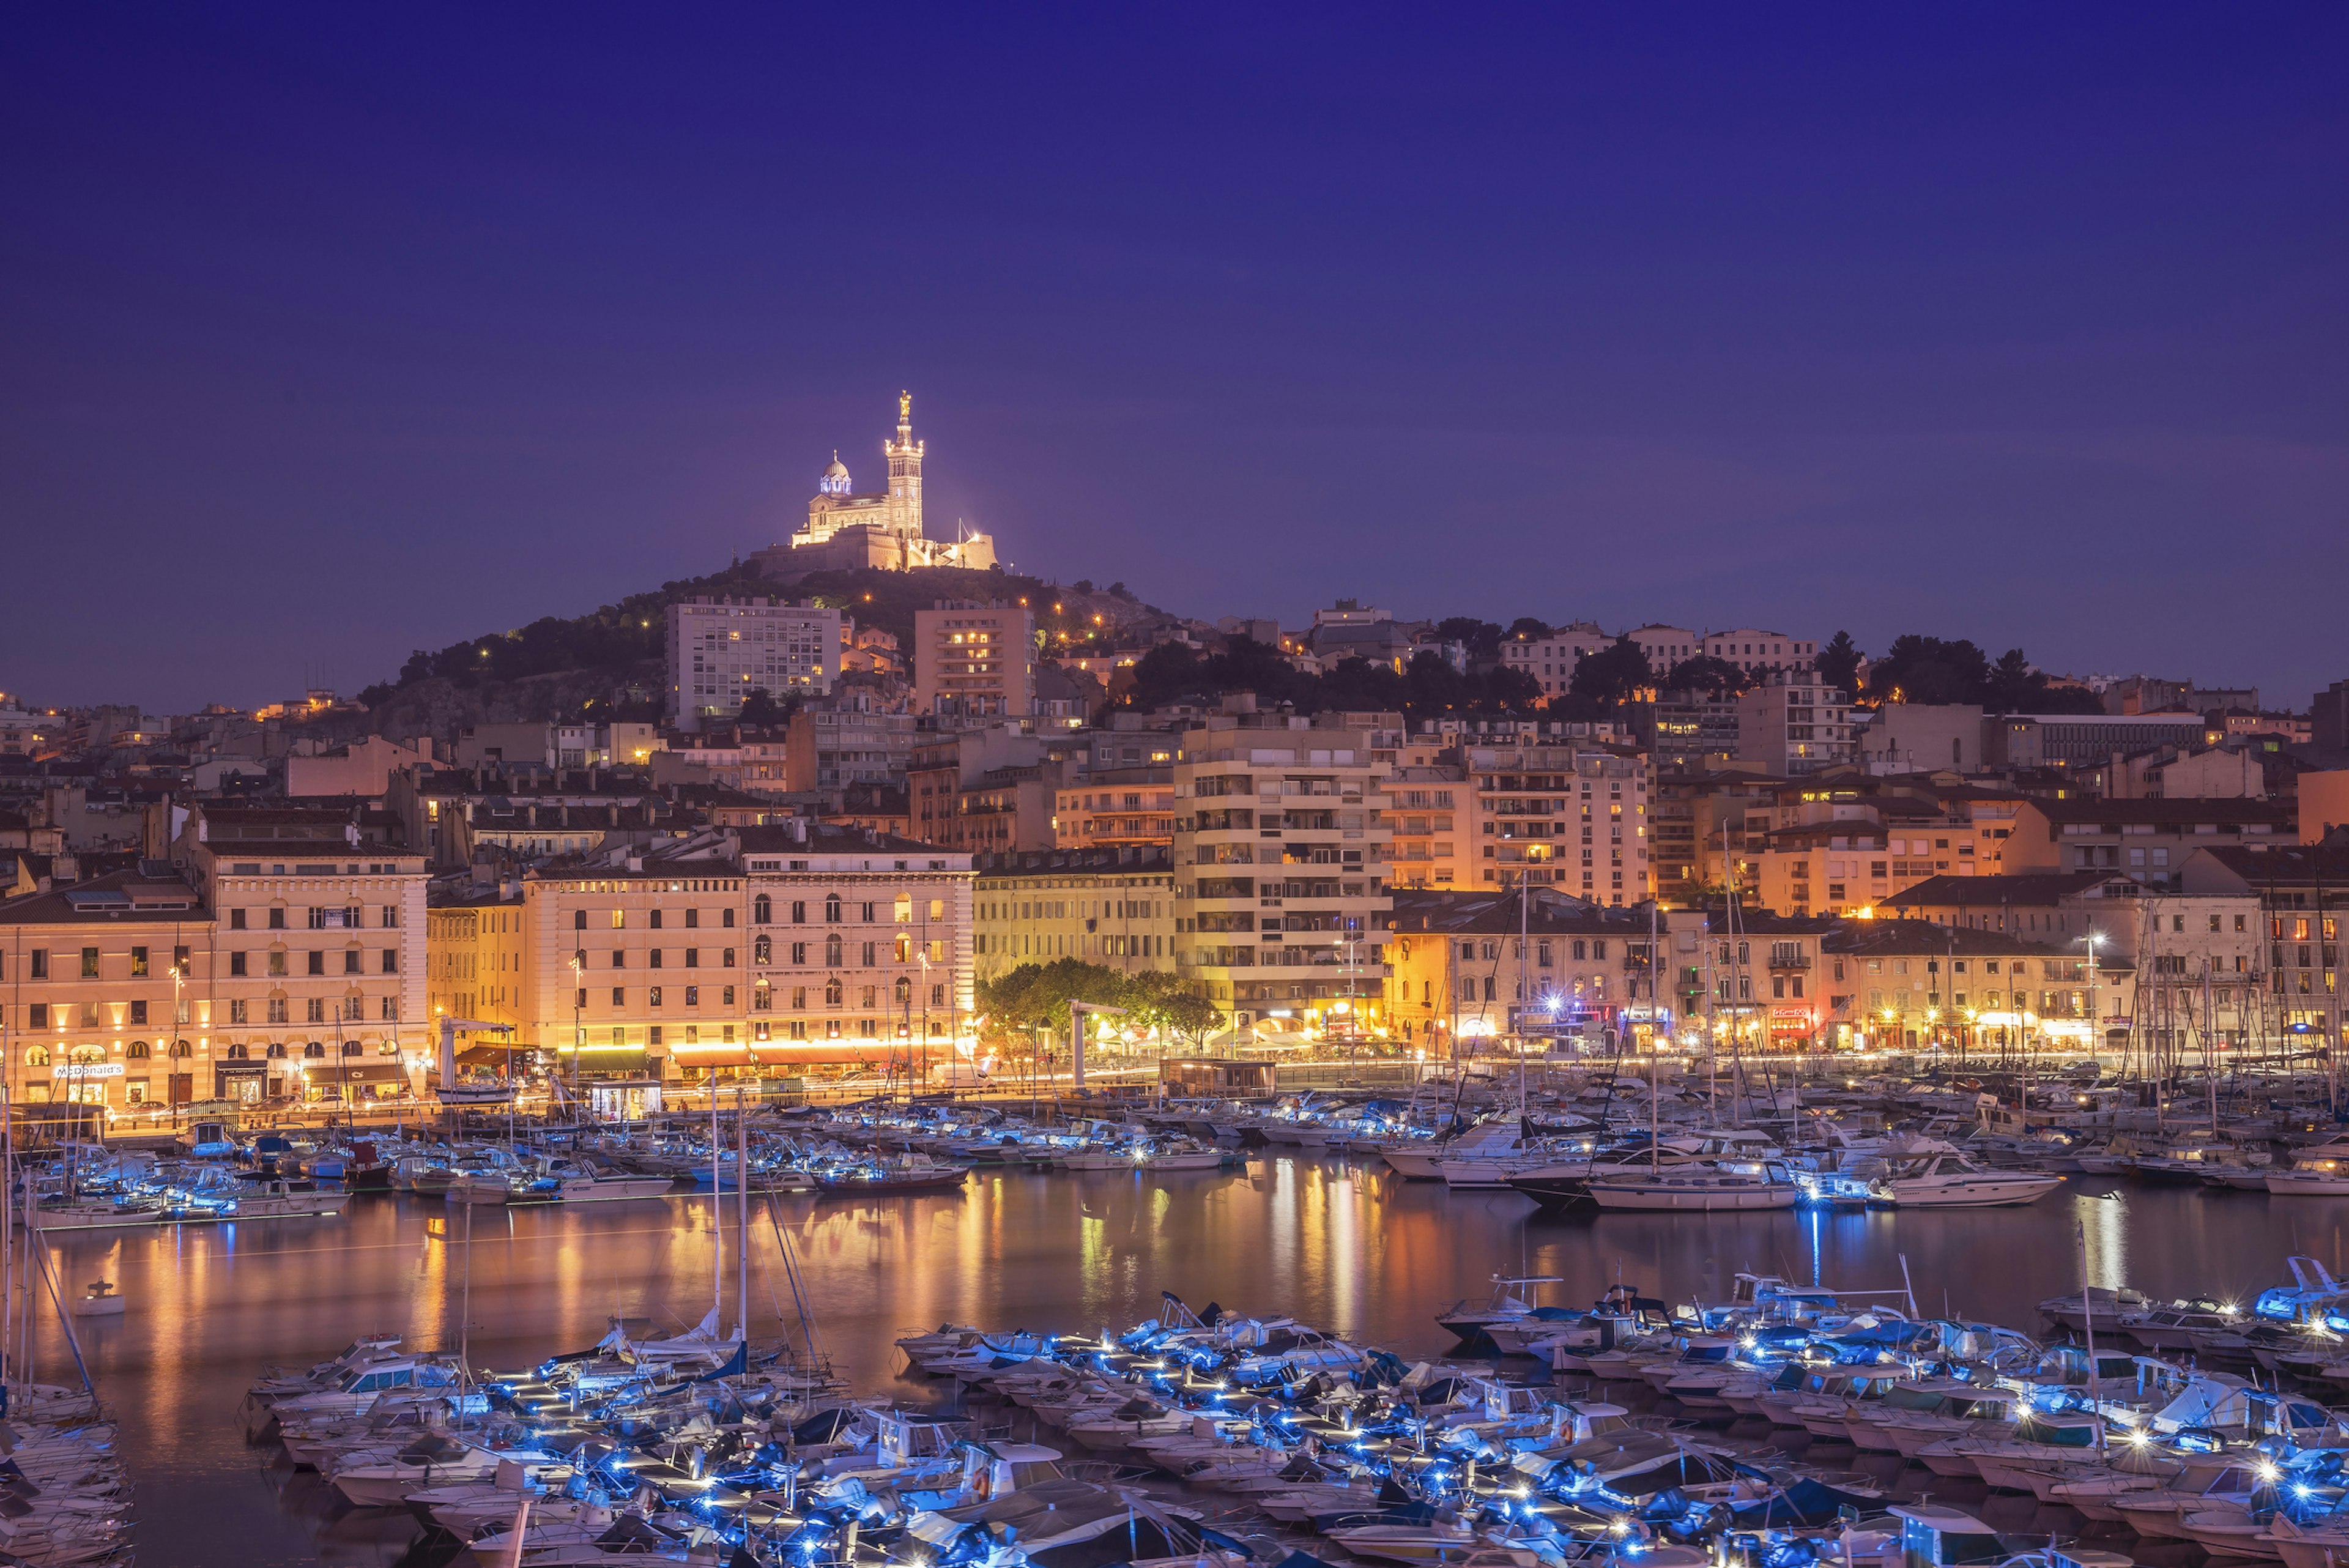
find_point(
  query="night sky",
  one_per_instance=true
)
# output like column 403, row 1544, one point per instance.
column 334, row 332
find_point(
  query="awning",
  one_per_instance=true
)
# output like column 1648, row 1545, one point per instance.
column 241, row 1069
column 490, row 1055
column 692, row 1057
column 359, row 1072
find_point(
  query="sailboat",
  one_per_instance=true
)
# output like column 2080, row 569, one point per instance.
column 451, row 1090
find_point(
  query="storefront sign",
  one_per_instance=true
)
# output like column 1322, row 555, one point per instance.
column 88, row 1070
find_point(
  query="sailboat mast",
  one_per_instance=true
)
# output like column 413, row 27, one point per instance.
column 742, row 1209
column 717, row 1213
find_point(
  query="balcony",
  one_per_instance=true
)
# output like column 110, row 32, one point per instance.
column 1785, row 961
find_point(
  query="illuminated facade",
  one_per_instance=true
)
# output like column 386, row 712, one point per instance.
column 1280, row 865
column 881, row 528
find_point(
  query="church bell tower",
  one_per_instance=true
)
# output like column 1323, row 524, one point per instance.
column 904, row 455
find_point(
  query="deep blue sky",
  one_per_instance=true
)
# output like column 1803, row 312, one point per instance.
column 332, row 332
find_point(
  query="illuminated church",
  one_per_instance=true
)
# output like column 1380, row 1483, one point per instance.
column 879, row 528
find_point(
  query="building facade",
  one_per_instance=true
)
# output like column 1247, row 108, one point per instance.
column 722, row 649
column 974, row 659
column 1559, row 817
column 1109, row 906
column 1280, row 863
column 1794, row 724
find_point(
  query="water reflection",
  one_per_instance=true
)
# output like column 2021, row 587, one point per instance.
column 1350, row 1247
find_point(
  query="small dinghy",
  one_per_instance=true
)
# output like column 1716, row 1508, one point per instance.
column 101, row 1300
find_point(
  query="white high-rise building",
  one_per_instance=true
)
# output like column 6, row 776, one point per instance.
column 722, row 649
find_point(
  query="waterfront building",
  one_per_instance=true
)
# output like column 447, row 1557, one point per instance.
column 1569, row 818
column 1280, row 863
column 1113, row 907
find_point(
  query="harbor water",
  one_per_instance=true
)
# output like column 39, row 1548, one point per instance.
column 1344, row 1245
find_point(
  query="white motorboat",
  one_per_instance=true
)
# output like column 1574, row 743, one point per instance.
column 1421, row 1161
column 1938, row 1177
column 615, row 1187
column 2320, row 1170
column 1705, row 1188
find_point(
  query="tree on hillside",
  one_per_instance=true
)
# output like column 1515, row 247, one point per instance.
column 1838, row 662
column 1613, row 675
column 1528, row 628
column 760, row 710
column 1480, row 638
column 1706, row 673
column 1918, row 669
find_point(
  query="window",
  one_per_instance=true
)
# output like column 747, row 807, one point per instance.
column 138, row 962
column 280, row 1010
column 762, row 910
column 655, row 921
column 798, row 911
column 579, row 920
column 693, row 996
column 391, row 1010
column 619, row 996
column 619, row 919
column 726, row 919
column 763, row 950
column 277, row 964
column 236, row 1012
column 832, row 946
column 657, row 956
column 351, row 961
column 318, row 962
column 236, row 963
column 89, row 963
column 692, row 920
column 237, row 920
column 138, row 1012
column 620, row 957
column 390, row 964
column 277, row 918
column 832, row 994
column 693, row 957
column 831, row 909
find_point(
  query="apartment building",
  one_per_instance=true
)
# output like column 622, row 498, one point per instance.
column 1757, row 976
column 473, row 952
column 974, row 659
column 2082, row 740
column 106, row 992
column 2146, row 840
column 1116, row 808
column 1666, row 646
column 1905, row 984
column 1762, row 653
column 755, row 951
column 1470, row 964
column 2300, row 890
column 318, row 977
column 1559, row 817
column 281, row 956
column 1551, row 660
column 853, row 741
column 1794, row 724
column 860, row 943
column 1113, row 907
column 1431, row 815
column 1280, row 863
column 1692, row 730
column 722, row 649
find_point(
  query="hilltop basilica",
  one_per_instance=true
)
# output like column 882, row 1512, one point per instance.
column 880, row 528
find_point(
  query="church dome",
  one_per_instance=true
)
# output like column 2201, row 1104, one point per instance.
column 835, row 478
